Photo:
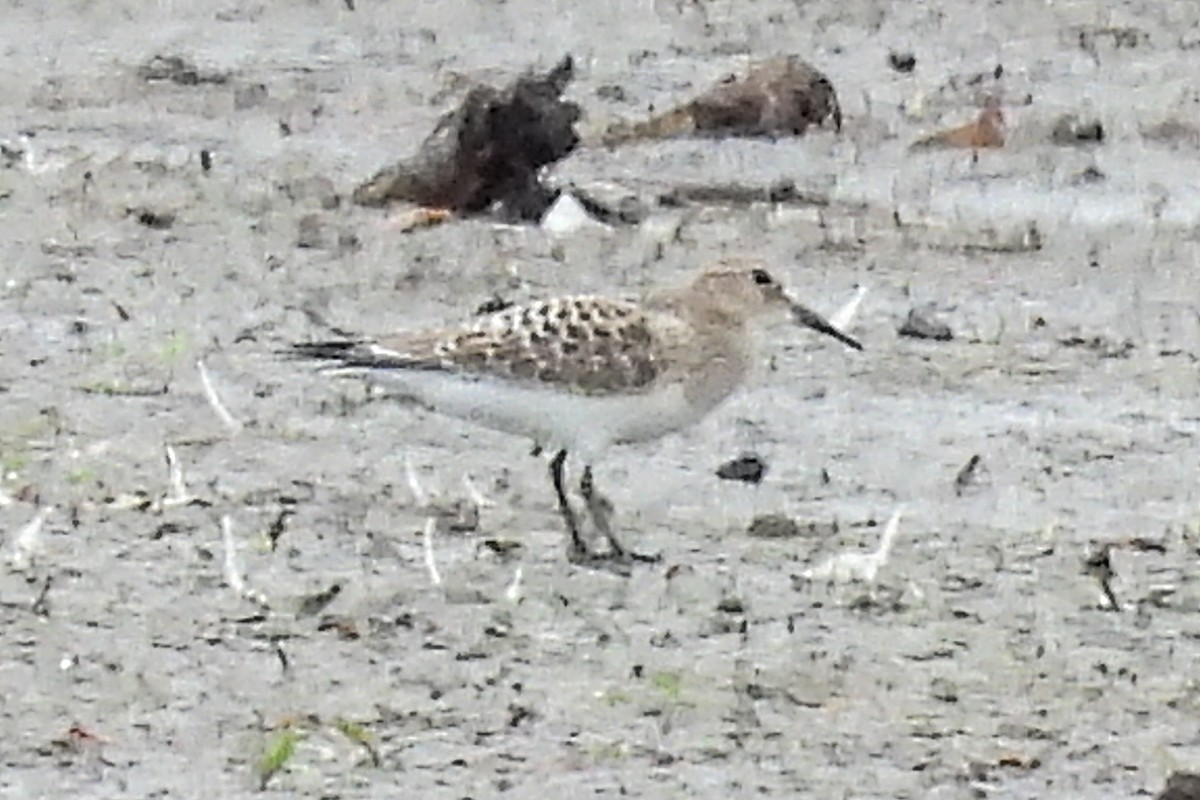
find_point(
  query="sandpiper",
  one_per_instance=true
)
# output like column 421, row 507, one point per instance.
column 582, row 373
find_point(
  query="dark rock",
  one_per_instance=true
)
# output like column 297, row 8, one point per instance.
column 902, row 62
column 1090, row 174
column 613, row 92
column 1071, row 130
column 747, row 468
column 781, row 192
column 968, row 475
column 773, row 526
column 918, row 326
column 1181, row 786
column 177, row 70
column 1101, row 345
column 158, row 220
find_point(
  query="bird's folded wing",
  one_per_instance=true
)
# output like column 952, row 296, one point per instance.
column 582, row 344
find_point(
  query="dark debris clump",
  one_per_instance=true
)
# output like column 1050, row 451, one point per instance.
column 486, row 154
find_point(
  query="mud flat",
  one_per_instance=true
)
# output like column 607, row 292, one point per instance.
column 162, row 212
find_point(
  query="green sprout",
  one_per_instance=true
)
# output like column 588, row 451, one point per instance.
column 278, row 753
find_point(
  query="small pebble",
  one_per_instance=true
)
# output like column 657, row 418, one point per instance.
column 918, row 326
column 773, row 526
column 747, row 468
column 902, row 62
column 1071, row 130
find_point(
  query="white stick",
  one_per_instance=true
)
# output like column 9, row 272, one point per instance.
column 414, row 485
column 889, row 537
column 233, row 573
column 842, row 318
column 430, row 562
column 473, row 492
column 28, row 540
column 513, row 593
column 214, row 400
column 177, row 494
column 859, row 567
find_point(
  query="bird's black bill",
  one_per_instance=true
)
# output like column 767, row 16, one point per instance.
column 324, row 351
column 811, row 319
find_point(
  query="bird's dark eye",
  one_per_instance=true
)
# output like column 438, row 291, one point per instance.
column 761, row 277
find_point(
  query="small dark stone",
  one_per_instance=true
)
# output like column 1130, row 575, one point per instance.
column 1101, row 345
column 315, row 603
column 966, row 476
column 944, row 690
column 918, row 326
column 748, row 468
column 158, row 220
column 177, row 70
column 902, row 62
column 206, row 160
column 1090, row 174
column 1071, row 130
column 731, row 605
column 773, row 526
column 612, row 92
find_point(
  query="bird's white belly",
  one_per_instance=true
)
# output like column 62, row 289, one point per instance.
column 584, row 424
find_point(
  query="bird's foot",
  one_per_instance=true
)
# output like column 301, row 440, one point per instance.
column 619, row 553
column 616, row 559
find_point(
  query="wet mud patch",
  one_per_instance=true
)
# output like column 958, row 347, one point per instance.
column 986, row 657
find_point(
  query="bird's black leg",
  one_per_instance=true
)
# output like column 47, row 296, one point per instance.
column 601, row 508
column 578, row 550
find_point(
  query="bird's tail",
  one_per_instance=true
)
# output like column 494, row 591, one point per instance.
column 333, row 350
column 344, row 356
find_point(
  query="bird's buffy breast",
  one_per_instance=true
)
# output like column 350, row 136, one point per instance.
column 715, row 376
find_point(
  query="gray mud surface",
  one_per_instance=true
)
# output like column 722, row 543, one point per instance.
column 984, row 662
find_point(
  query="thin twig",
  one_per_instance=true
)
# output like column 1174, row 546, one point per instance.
column 473, row 492
column 231, row 422
column 844, row 316
column 859, row 567
column 514, row 591
column 414, row 485
column 233, row 572
column 430, row 563
column 177, row 493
